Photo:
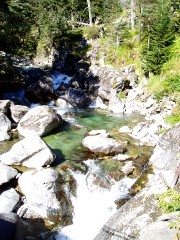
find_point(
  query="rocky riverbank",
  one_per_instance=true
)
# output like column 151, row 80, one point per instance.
column 43, row 191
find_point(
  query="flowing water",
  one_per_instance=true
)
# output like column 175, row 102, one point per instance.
column 99, row 181
column 102, row 182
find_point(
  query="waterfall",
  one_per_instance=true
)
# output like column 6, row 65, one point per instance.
column 93, row 204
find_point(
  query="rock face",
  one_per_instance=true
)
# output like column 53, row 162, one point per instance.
column 31, row 152
column 100, row 143
column 44, row 193
column 5, row 123
column 7, row 173
column 166, row 157
column 11, row 227
column 39, row 121
column 8, row 200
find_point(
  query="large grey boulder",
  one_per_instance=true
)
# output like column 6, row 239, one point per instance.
column 44, row 193
column 7, row 173
column 31, row 152
column 8, row 200
column 18, row 111
column 5, row 123
column 39, row 121
column 100, row 143
column 11, row 227
column 166, row 157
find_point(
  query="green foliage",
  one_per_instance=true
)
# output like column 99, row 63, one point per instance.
column 121, row 95
column 158, row 35
column 91, row 32
column 169, row 201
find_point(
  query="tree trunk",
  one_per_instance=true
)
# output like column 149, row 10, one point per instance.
column 133, row 15
column 89, row 11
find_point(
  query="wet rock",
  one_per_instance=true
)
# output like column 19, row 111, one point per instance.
column 102, row 133
column 8, row 200
column 5, row 123
column 11, row 227
column 44, row 193
column 31, row 152
column 7, row 173
column 18, row 111
column 41, row 91
column 4, row 136
column 78, row 98
column 102, row 144
column 39, row 121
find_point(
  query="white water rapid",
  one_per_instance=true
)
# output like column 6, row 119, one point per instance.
column 93, row 205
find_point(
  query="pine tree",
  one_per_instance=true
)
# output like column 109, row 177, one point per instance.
column 158, row 32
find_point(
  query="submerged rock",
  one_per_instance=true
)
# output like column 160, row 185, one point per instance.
column 39, row 121
column 31, row 152
column 44, row 193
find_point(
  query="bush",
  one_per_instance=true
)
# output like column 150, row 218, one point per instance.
column 169, row 201
column 91, row 32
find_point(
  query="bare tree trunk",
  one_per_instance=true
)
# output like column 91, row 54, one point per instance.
column 133, row 15
column 89, row 11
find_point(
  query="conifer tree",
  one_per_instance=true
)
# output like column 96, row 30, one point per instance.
column 158, row 33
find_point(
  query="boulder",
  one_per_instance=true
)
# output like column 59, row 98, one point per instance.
column 100, row 143
column 44, row 193
column 4, row 136
column 11, row 227
column 5, row 123
column 31, row 152
column 18, row 111
column 166, row 156
column 39, row 121
column 7, row 173
column 78, row 98
column 41, row 91
column 8, row 200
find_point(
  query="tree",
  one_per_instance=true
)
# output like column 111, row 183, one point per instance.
column 158, row 33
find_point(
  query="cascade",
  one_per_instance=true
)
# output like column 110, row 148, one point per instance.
column 93, row 204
